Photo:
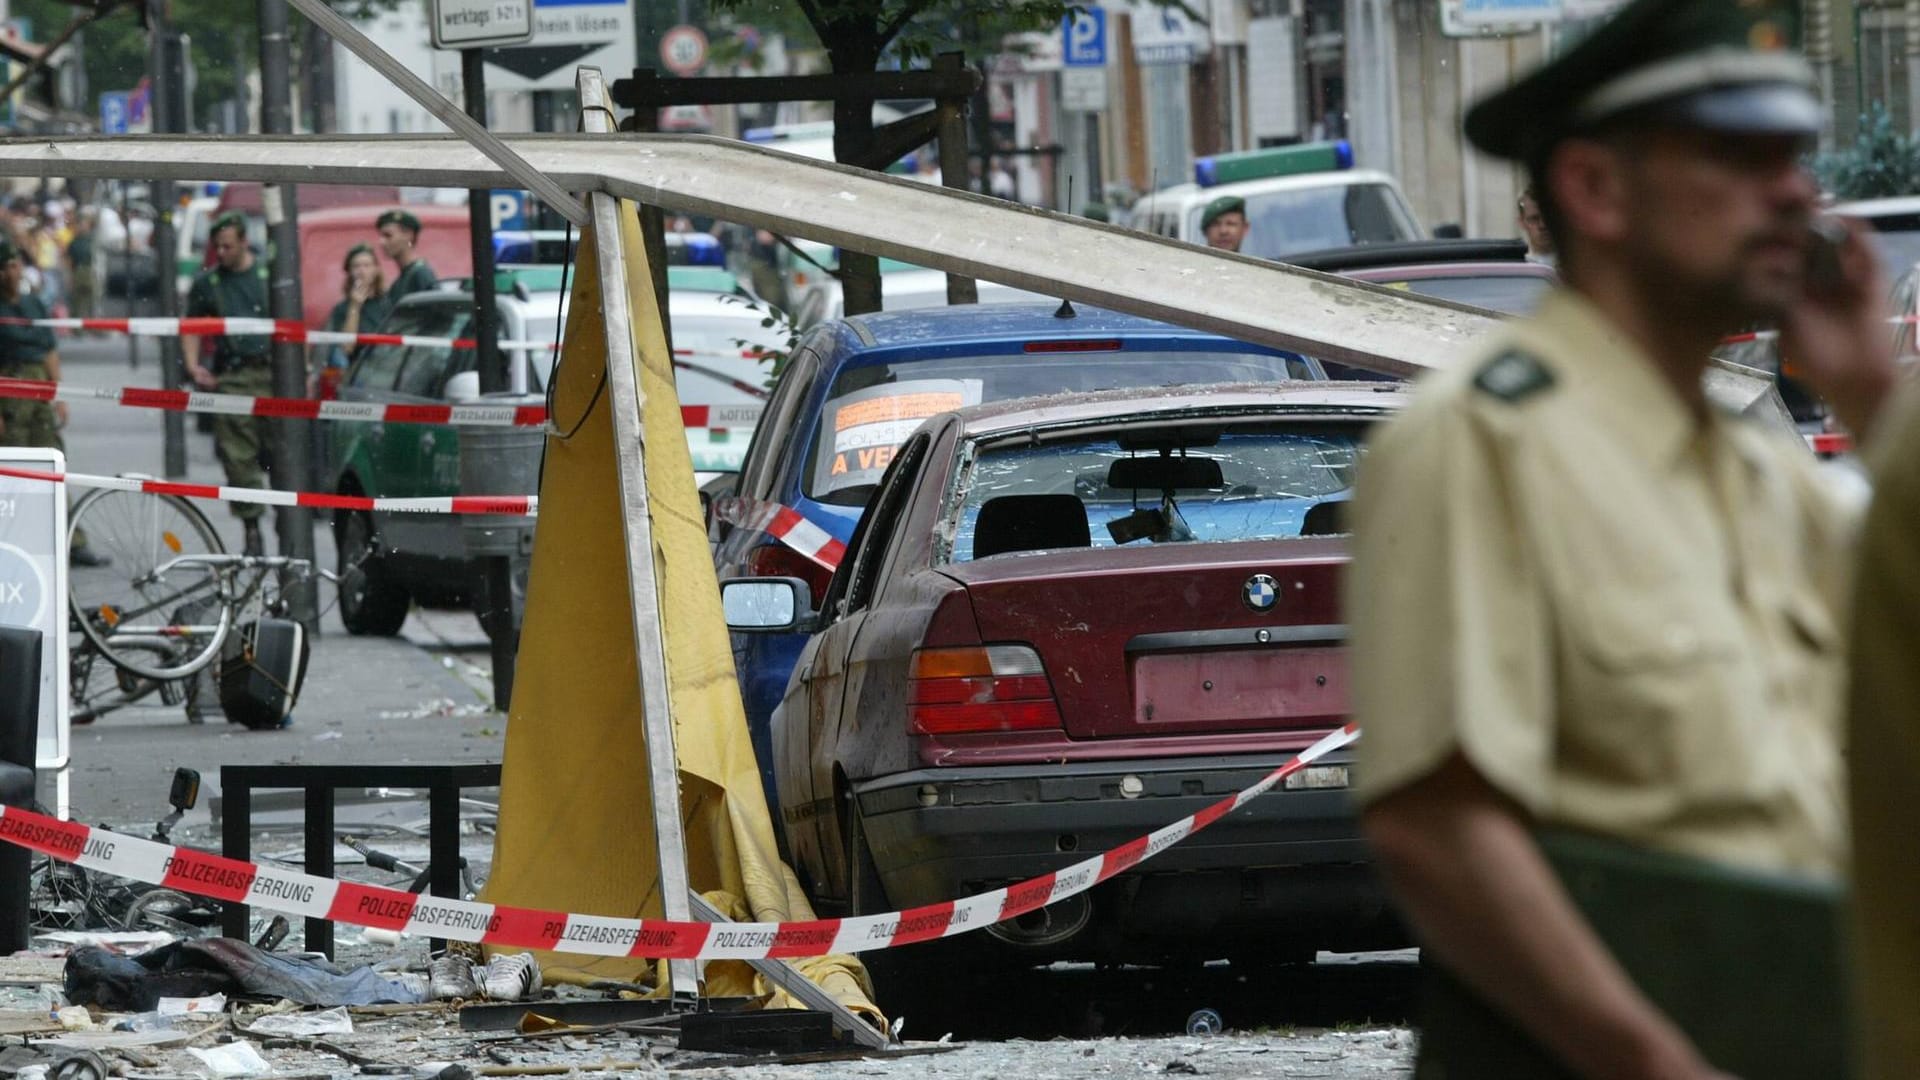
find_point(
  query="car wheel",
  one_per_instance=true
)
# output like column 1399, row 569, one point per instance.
column 370, row 605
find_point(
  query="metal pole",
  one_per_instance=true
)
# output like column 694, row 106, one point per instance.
column 498, row 569
column 953, row 164
column 623, row 399
column 167, row 109
column 292, row 463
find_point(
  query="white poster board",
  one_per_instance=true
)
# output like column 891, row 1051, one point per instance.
column 33, row 583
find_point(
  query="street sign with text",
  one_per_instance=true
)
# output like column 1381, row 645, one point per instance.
column 1083, row 89
column 478, row 24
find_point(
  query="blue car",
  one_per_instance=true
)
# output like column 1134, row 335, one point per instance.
column 855, row 388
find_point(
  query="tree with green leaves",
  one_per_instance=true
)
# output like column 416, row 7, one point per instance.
column 858, row 34
column 1883, row 161
column 224, row 41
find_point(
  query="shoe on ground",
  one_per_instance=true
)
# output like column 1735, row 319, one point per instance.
column 450, row 978
column 253, row 545
column 86, row 556
column 510, row 978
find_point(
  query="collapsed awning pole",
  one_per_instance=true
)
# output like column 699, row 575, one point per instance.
column 323, row 16
column 643, row 589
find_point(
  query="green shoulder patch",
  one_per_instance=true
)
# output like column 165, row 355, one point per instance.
column 1513, row 376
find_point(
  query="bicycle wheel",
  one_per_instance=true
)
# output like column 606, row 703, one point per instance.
column 142, row 616
column 96, row 686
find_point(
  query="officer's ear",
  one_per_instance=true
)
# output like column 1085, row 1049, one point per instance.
column 1589, row 182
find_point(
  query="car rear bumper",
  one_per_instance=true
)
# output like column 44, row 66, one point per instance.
column 1289, row 864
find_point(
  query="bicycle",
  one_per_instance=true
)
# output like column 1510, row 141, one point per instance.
column 161, row 612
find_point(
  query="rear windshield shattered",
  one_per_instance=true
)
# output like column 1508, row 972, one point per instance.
column 871, row 409
column 1270, row 479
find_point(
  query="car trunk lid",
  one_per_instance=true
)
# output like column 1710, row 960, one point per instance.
column 1165, row 640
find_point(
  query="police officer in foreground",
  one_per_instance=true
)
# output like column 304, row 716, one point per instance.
column 1586, row 605
column 27, row 352
column 399, row 234
column 235, row 287
column 1224, row 223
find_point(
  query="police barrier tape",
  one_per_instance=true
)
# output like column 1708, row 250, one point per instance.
column 716, row 417
column 293, row 893
column 784, row 524
column 291, row 330
column 523, row 505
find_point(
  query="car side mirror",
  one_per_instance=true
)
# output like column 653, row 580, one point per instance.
column 464, row 386
column 766, row 605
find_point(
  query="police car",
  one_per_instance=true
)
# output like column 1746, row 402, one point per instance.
column 1298, row 198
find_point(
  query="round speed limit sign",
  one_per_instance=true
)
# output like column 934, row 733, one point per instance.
column 684, row 49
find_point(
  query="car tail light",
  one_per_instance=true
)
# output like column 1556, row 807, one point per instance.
column 329, row 383
column 1100, row 345
column 773, row 560
column 980, row 688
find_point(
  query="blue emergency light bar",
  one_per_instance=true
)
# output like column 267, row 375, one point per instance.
column 1279, row 161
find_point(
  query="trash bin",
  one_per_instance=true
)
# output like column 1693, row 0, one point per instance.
column 501, row 461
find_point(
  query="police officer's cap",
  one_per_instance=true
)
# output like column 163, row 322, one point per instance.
column 1225, row 204
column 1095, row 211
column 232, row 219
column 398, row 217
column 1714, row 65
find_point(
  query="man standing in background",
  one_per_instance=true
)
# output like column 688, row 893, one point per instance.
column 399, row 233
column 234, row 288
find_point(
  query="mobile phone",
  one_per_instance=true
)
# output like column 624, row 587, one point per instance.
column 1824, row 274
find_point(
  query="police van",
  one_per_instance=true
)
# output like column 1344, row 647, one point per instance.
column 1298, row 198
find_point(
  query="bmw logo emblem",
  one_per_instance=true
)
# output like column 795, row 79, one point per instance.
column 1261, row 592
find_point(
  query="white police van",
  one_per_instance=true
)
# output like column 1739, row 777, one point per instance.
column 1299, row 198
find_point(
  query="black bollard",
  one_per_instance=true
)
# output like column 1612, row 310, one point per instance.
column 19, row 732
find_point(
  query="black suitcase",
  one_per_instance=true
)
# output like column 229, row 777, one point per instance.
column 261, row 669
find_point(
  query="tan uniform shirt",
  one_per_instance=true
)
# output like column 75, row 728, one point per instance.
column 1624, row 617
column 1884, row 730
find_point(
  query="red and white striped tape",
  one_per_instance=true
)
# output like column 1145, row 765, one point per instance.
column 1774, row 335
column 278, row 329
column 717, row 417
column 205, row 874
column 522, row 505
column 196, row 401
column 784, row 524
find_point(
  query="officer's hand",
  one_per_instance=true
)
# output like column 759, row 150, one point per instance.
column 60, row 414
column 1839, row 338
column 202, row 377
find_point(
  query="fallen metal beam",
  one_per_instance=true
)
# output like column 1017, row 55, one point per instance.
column 803, row 989
column 943, row 229
column 1267, row 303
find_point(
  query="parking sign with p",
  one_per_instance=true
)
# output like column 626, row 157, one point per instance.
column 1085, row 33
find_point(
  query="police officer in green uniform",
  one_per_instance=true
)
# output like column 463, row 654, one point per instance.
column 27, row 352
column 235, row 288
column 1589, row 607
column 399, row 233
column 1224, row 223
